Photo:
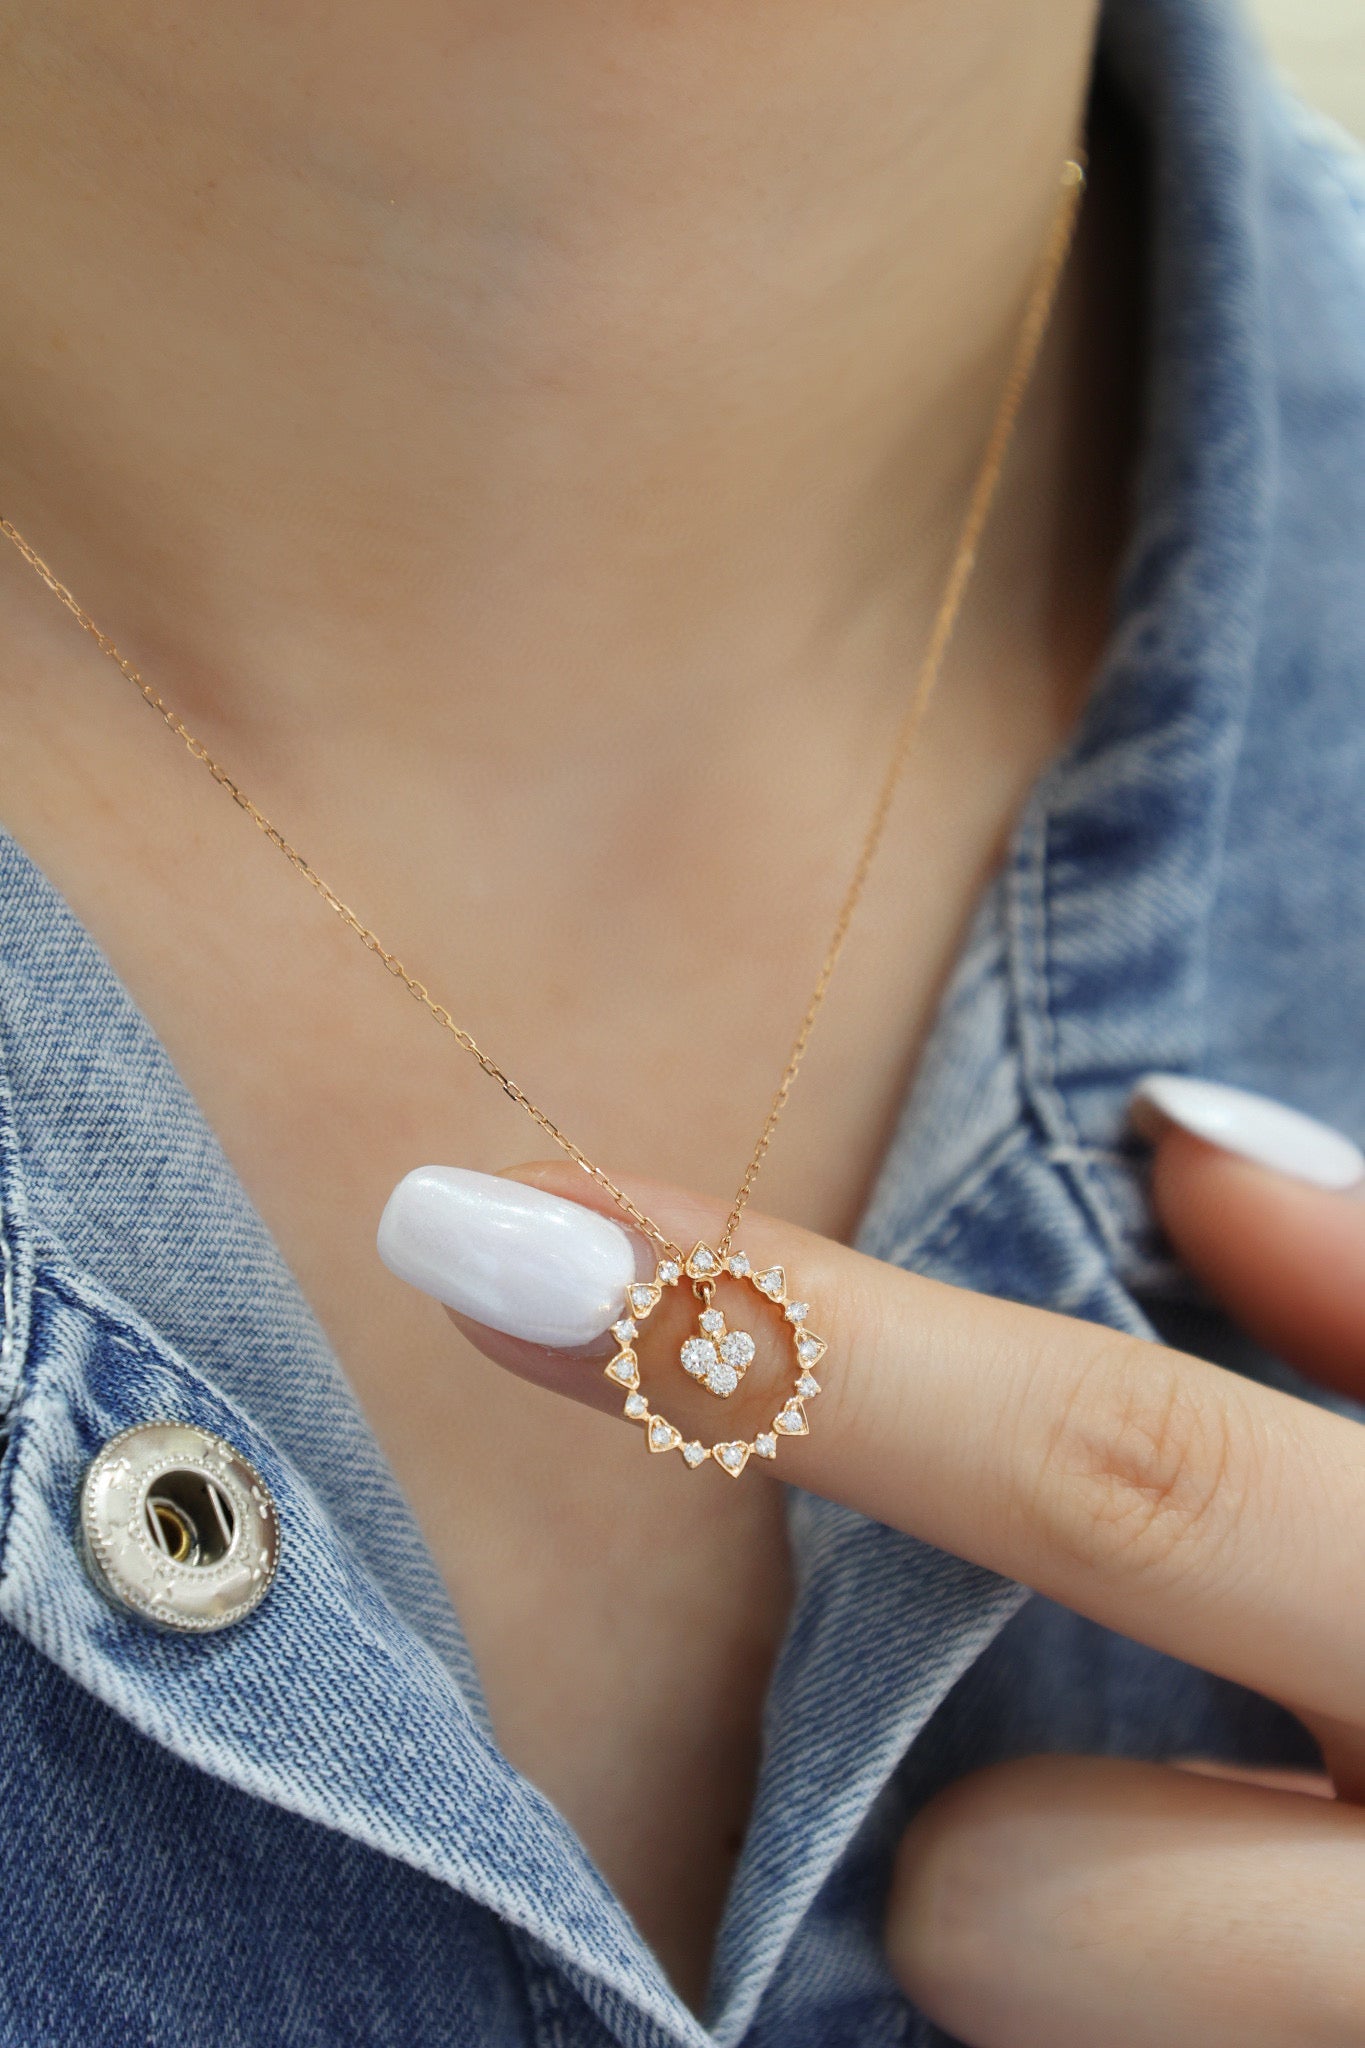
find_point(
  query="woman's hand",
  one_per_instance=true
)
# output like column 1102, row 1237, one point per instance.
column 1068, row 1902
column 1064, row 1901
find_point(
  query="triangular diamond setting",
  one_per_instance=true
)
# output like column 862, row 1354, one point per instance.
column 792, row 1421
column 625, row 1370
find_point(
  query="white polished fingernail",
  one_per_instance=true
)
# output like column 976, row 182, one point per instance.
column 1252, row 1126
column 515, row 1258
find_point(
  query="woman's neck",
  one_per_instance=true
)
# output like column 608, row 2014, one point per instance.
column 383, row 358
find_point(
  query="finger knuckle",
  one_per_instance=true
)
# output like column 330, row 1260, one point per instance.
column 1142, row 1473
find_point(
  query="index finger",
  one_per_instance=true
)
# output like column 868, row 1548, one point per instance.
column 1215, row 1519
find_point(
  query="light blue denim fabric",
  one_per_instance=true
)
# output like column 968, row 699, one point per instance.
column 300, row 1831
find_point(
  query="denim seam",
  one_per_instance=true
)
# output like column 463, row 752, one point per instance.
column 69, row 1291
column 542, row 1998
column 16, row 1256
column 1067, row 1151
column 59, row 1282
column 552, row 1983
column 949, row 1218
column 1028, row 924
column 63, row 1289
column 9, row 1466
column 6, row 1293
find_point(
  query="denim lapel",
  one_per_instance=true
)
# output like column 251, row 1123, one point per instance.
column 104, row 1131
column 324, row 1701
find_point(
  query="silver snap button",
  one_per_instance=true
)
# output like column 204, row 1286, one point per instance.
column 177, row 1528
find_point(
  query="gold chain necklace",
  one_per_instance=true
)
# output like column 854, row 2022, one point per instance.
column 716, row 1357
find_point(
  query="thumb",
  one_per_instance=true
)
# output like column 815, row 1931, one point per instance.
column 1267, row 1207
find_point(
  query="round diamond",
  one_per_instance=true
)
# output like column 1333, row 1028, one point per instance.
column 669, row 1269
column 731, row 1455
column 661, row 1433
column 722, row 1379
column 739, row 1264
column 737, row 1349
column 694, row 1454
column 712, row 1321
column 624, row 1330
column 808, row 1348
column 699, row 1357
column 807, row 1385
column 766, row 1445
column 637, row 1407
column 703, row 1260
column 797, row 1311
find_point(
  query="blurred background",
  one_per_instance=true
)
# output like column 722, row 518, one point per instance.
column 1320, row 45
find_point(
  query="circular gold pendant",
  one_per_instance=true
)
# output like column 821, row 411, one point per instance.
column 717, row 1357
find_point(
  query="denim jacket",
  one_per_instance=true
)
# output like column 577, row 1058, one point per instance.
column 299, row 1830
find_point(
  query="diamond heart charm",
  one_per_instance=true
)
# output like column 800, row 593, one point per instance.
column 719, row 1358
column 716, row 1356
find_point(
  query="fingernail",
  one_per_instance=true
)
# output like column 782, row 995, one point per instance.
column 515, row 1258
column 1252, row 1126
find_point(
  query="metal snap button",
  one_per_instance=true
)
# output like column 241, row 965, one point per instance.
column 177, row 1527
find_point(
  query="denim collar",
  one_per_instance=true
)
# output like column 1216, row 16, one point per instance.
column 1088, row 962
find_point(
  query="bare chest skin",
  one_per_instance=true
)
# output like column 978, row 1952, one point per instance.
column 644, row 986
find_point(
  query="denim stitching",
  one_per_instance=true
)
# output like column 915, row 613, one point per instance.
column 60, row 1282
column 29, row 1413
column 946, row 1222
column 18, row 1429
column 14, row 1250
column 145, row 1348
column 1034, row 987
column 6, row 1290
column 542, row 1998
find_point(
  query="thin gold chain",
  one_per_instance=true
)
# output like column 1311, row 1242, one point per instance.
column 1017, row 377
